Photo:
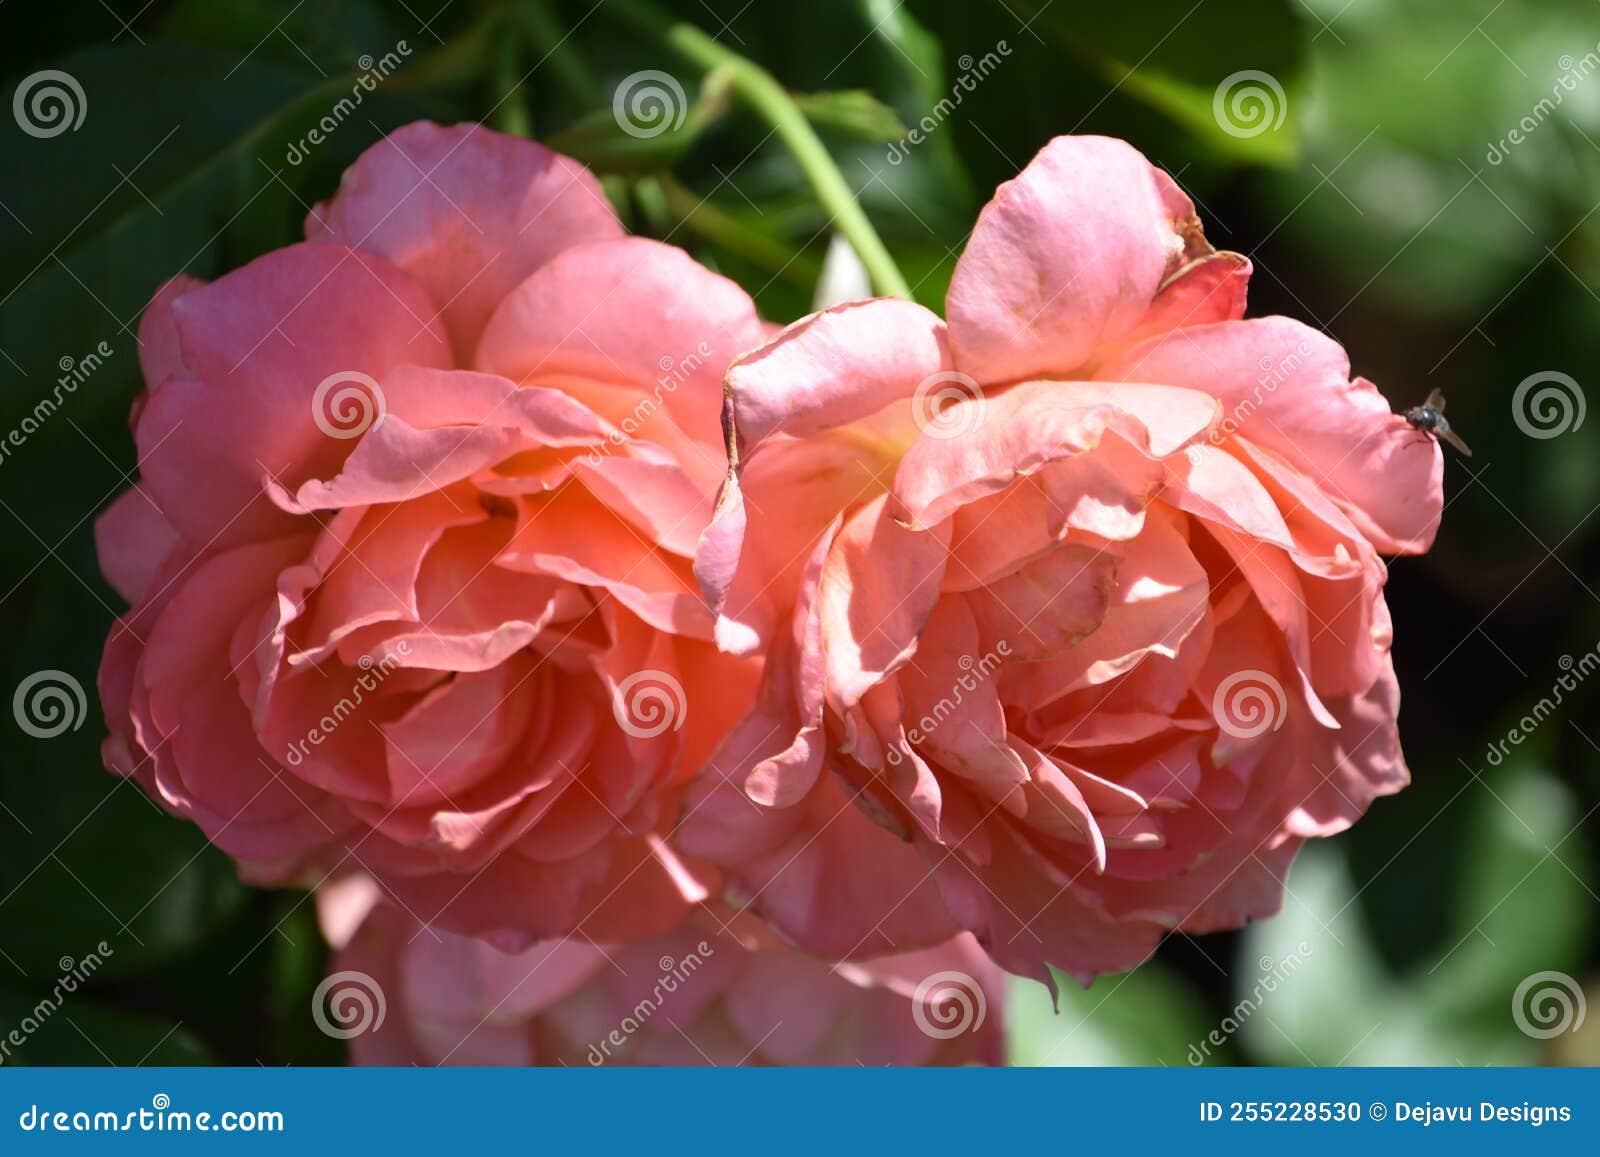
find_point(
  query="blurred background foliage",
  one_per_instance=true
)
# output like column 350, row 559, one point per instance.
column 1389, row 206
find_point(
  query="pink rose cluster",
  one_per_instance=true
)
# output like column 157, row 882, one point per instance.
column 639, row 683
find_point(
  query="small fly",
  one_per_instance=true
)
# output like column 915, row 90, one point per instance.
column 1429, row 418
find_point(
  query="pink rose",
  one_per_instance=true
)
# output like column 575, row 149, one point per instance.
column 1074, row 605
column 410, row 552
column 712, row 991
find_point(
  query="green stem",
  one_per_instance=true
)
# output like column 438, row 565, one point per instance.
column 757, row 88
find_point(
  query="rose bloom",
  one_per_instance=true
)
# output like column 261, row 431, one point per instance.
column 717, row 990
column 1074, row 604
column 410, row 551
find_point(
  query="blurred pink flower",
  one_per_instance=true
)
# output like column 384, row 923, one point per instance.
column 716, row 990
column 409, row 555
column 1074, row 605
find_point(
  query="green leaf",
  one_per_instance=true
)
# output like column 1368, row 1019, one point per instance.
column 650, row 127
column 145, row 885
column 66, row 1028
column 1228, row 71
column 1450, row 147
column 209, row 165
column 85, row 856
column 1523, row 906
column 1337, row 994
column 299, row 963
column 856, row 112
column 596, row 140
column 1144, row 1017
column 332, row 33
column 922, row 73
column 916, row 82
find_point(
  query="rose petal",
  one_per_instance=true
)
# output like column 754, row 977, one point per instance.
column 467, row 211
column 1066, row 256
